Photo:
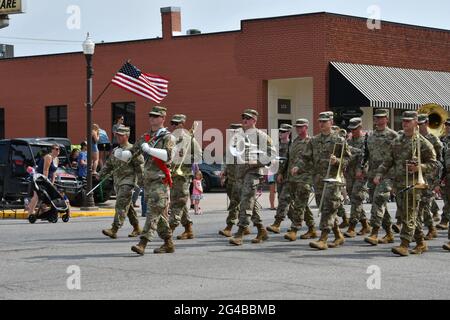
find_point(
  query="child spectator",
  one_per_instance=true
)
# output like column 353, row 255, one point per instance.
column 197, row 192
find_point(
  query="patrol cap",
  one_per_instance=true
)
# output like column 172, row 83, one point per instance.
column 325, row 116
column 123, row 130
column 331, row 114
column 158, row 111
column 285, row 127
column 422, row 118
column 250, row 113
column 178, row 118
column 355, row 123
column 409, row 115
column 381, row 113
column 301, row 122
column 235, row 126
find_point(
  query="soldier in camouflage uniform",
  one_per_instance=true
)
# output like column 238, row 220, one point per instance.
column 297, row 173
column 249, row 173
column 127, row 170
column 179, row 193
column 157, row 148
column 284, row 198
column 356, row 179
column 378, row 147
column 403, row 153
column 445, row 189
column 432, row 179
column 319, row 156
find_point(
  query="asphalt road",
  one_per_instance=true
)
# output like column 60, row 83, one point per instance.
column 34, row 262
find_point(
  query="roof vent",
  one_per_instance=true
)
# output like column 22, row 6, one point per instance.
column 193, row 31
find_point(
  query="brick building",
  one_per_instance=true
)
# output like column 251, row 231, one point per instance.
column 285, row 67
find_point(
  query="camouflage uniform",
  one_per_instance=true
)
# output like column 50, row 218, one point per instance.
column 125, row 180
column 446, row 187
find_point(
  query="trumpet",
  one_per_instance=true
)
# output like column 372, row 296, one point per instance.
column 178, row 170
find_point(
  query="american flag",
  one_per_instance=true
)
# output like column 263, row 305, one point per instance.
column 147, row 85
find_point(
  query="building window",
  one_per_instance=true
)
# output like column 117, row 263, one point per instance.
column 2, row 123
column 127, row 110
column 56, row 121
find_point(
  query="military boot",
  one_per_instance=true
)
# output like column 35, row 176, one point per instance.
column 322, row 243
column 173, row 227
column 345, row 222
column 275, row 227
column 136, row 231
column 338, row 238
column 402, row 250
column 373, row 238
column 227, row 231
column 388, row 238
column 187, row 234
column 366, row 229
column 351, row 233
column 140, row 247
column 238, row 237
column 443, row 225
column 397, row 227
column 262, row 234
column 167, row 247
column 112, row 233
column 311, row 234
column 446, row 246
column 247, row 231
column 421, row 246
column 432, row 233
column 291, row 235
column 436, row 217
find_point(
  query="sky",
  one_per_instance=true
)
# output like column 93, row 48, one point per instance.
column 56, row 26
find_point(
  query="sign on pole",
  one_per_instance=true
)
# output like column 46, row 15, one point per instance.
column 12, row 6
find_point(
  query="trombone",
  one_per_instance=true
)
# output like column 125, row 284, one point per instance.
column 178, row 170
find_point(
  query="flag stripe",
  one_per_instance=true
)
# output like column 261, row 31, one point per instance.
column 139, row 83
column 144, row 83
column 132, row 90
column 137, row 87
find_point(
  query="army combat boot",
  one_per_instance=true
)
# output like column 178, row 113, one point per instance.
column 446, row 246
column 338, row 238
column 443, row 225
column 140, row 247
column 397, row 226
column 311, row 234
column 421, row 246
column 247, row 231
column 351, row 233
column 238, row 237
column 167, row 247
column 322, row 243
column 136, row 231
column 227, row 231
column 373, row 238
column 365, row 228
column 291, row 235
column 262, row 234
column 388, row 238
column 112, row 233
column 345, row 222
column 432, row 233
column 402, row 250
column 187, row 234
column 275, row 227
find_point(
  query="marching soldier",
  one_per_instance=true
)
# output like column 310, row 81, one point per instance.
column 184, row 143
column 230, row 180
column 432, row 179
column 297, row 173
column 157, row 147
column 127, row 170
column 356, row 179
column 378, row 147
column 404, row 151
column 284, row 198
column 249, row 174
column 319, row 154
column 446, row 181
column 341, row 210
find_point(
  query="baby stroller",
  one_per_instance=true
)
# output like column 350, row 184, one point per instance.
column 51, row 203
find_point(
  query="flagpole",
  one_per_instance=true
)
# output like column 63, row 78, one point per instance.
column 104, row 90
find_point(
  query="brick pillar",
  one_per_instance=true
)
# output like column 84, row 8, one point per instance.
column 171, row 21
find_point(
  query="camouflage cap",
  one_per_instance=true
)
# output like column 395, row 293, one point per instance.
column 178, row 118
column 325, row 116
column 331, row 114
column 381, row 113
column 422, row 118
column 235, row 126
column 301, row 122
column 158, row 111
column 335, row 128
column 409, row 115
column 285, row 127
column 250, row 113
column 355, row 123
column 122, row 130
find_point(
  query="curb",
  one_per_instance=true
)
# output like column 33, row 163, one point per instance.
column 21, row 215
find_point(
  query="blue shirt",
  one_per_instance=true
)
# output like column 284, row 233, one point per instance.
column 82, row 169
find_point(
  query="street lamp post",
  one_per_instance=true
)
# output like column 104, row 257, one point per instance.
column 88, row 50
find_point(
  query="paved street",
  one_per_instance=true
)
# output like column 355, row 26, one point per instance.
column 35, row 258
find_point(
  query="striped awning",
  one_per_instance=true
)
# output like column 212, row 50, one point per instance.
column 398, row 88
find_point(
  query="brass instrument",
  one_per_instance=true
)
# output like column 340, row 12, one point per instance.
column 436, row 118
column 178, row 170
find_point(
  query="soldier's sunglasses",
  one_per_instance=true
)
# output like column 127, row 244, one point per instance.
column 246, row 118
